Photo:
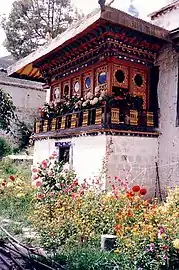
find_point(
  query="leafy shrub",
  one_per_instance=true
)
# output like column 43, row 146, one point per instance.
column 67, row 213
column 5, row 148
column 16, row 191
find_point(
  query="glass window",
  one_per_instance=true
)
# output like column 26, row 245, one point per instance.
column 66, row 90
column 77, row 86
column 88, row 82
column 64, row 154
column 102, row 77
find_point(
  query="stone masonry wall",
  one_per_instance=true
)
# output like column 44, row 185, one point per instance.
column 27, row 100
column 134, row 159
column 169, row 138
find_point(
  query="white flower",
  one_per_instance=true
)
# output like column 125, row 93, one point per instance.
column 89, row 95
column 95, row 100
column 100, row 98
column 66, row 167
column 103, row 93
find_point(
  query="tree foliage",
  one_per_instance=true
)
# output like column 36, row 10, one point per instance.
column 10, row 123
column 7, row 111
column 30, row 21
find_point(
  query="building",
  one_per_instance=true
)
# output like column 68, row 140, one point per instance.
column 27, row 95
column 126, row 70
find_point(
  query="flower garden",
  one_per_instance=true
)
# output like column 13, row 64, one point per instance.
column 69, row 218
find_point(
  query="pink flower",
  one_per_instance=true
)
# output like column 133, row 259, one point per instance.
column 52, row 194
column 40, row 196
column 51, row 157
column 84, row 186
column 75, row 183
column 44, row 164
column 50, row 173
column 35, row 177
column 38, row 183
column 34, row 170
column 54, row 154
column 74, row 195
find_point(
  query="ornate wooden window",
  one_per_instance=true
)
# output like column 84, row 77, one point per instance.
column 66, row 88
column 139, row 84
column 56, row 93
column 76, row 86
column 101, row 77
column 121, row 76
column 87, row 82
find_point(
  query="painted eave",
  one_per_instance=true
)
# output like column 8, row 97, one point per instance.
column 25, row 66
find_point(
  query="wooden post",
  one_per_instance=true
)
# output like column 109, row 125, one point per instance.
column 85, row 119
column 53, row 124
column 73, row 120
column 133, row 118
column 58, row 123
column 98, row 118
column 115, row 116
column 150, row 119
column 63, row 122
column 37, row 126
column 45, row 126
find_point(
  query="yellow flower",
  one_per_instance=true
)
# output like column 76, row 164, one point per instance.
column 116, row 250
column 19, row 195
column 176, row 243
column 10, row 184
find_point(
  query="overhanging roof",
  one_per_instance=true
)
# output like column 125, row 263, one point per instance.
column 165, row 9
column 26, row 66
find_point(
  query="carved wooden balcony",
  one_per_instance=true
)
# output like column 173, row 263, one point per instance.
column 101, row 119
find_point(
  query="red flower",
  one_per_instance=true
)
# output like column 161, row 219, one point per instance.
column 118, row 227
column 3, row 184
column 135, row 188
column 130, row 195
column 165, row 247
column 129, row 214
column 11, row 177
column 143, row 191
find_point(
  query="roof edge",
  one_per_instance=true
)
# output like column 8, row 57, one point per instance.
column 110, row 14
column 51, row 45
column 163, row 9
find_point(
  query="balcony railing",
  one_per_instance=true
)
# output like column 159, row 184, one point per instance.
column 105, row 118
